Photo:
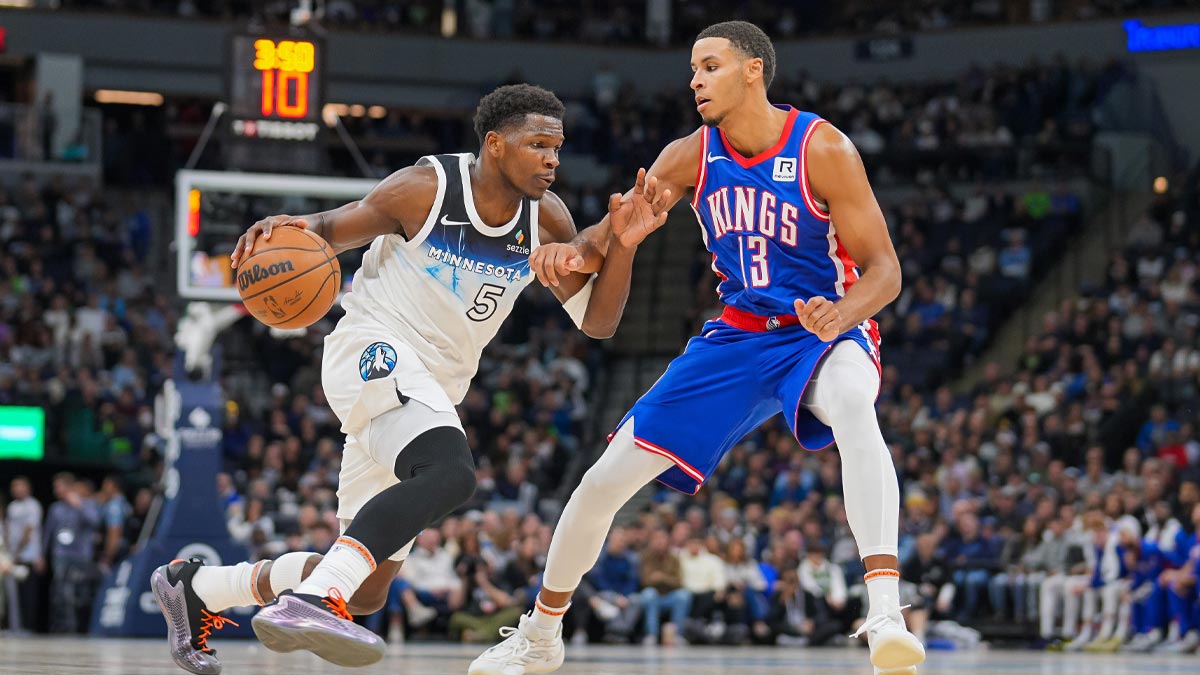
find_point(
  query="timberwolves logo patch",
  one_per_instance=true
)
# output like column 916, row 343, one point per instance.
column 377, row 360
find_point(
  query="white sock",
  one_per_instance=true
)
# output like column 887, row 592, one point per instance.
column 344, row 569
column 287, row 570
column 882, row 583
column 546, row 617
column 228, row 586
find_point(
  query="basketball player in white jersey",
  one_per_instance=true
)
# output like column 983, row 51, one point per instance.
column 451, row 244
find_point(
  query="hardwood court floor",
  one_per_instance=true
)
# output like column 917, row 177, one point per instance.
column 57, row 656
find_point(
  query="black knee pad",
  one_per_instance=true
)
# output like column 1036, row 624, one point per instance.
column 441, row 453
column 437, row 474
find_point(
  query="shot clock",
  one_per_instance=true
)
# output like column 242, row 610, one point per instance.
column 276, row 94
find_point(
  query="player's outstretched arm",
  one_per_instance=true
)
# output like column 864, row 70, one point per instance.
column 836, row 174
column 675, row 172
column 603, row 303
column 400, row 203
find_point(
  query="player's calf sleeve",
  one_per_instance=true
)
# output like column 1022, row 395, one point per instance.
column 844, row 398
column 619, row 473
column 437, row 475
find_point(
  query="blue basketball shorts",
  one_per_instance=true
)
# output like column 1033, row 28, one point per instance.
column 727, row 382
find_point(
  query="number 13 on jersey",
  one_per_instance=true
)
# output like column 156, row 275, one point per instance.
column 760, row 273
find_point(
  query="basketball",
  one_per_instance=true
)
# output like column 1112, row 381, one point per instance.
column 290, row 280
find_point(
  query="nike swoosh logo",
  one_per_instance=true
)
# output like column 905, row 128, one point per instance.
column 712, row 158
column 446, row 221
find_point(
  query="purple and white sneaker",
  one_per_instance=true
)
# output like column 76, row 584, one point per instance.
column 322, row 626
column 189, row 623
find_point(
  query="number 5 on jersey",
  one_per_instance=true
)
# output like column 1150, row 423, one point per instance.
column 486, row 302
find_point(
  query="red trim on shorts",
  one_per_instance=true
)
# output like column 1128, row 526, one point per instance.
column 688, row 469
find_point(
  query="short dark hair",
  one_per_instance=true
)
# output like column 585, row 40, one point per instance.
column 508, row 105
column 747, row 39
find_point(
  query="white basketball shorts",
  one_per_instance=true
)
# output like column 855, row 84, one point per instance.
column 367, row 372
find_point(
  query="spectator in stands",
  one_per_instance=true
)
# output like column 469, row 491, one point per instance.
column 824, row 585
column 114, row 510
column 488, row 607
column 68, row 541
column 1183, row 605
column 615, row 578
column 429, row 571
column 973, row 555
column 1018, row 579
column 744, row 603
column 704, row 577
column 662, row 581
column 23, row 537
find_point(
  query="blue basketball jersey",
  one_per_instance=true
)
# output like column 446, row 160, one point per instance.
column 771, row 239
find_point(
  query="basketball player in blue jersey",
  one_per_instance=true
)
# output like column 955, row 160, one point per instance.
column 450, row 245
column 804, row 260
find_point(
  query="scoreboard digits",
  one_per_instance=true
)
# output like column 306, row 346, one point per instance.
column 276, row 87
column 286, row 67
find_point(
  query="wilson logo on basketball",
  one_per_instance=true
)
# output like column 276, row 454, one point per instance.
column 259, row 273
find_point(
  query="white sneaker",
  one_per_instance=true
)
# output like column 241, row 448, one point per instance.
column 525, row 649
column 894, row 650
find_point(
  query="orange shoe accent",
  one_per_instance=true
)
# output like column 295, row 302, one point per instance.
column 177, row 560
column 208, row 624
column 337, row 604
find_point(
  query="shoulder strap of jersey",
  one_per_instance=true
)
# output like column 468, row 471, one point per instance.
column 439, row 200
column 806, row 125
column 531, row 209
column 706, row 136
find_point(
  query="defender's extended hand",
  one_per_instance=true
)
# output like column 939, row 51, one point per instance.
column 642, row 212
column 245, row 243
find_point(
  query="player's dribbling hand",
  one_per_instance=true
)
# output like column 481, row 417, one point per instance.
column 245, row 243
column 645, row 210
column 551, row 261
column 821, row 317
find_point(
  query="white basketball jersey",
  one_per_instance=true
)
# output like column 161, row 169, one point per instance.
column 446, row 292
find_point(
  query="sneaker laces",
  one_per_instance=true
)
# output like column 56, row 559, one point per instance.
column 336, row 602
column 208, row 623
column 876, row 622
column 518, row 648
